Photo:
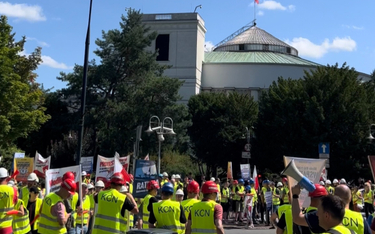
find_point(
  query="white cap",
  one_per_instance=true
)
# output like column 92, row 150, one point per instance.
column 177, row 176
column 212, row 179
column 83, row 173
column 328, row 182
column 90, row 186
column 335, row 181
column 100, row 184
column 179, row 192
column 165, row 174
column 3, row 173
column 32, row 177
column 123, row 189
column 342, row 181
column 279, row 184
column 321, row 183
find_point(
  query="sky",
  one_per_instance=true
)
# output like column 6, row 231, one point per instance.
column 325, row 32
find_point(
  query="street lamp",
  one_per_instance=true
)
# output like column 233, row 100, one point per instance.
column 161, row 130
column 199, row 6
column 248, row 141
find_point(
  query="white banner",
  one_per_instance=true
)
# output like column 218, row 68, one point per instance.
column 125, row 162
column 105, row 167
column 19, row 155
column 41, row 165
column 245, row 171
column 54, row 177
column 309, row 167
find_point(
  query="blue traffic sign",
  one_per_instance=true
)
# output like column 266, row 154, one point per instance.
column 323, row 148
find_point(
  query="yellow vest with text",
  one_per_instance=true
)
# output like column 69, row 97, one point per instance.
column 275, row 200
column 85, row 207
column 187, row 205
column 225, row 194
column 38, row 205
column 368, row 197
column 21, row 224
column 6, row 204
column 202, row 217
column 48, row 223
column 340, row 230
column 108, row 219
column 131, row 216
column 286, row 194
column 354, row 221
column 145, row 212
column 25, row 194
column 167, row 214
column 287, row 211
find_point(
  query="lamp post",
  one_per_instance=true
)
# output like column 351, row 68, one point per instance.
column 161, row 129
column 199, row 6
column 248, row 142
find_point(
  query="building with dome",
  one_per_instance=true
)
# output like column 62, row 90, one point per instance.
column 248, row 61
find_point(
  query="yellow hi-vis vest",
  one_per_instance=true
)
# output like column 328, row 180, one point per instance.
column 21, row 224
column 330, row 190
column 48, row 223
column 38, row 205
column 354, row 221
column 340, row 230
column 92, row 201
column 145, row 212
column 25, row 194
column 241, row 189
column 286, row 194
column 85, row 207
column 225, row 194
column 255, row 195
column 6, row 204
column 368, row 197
column 275, row 200
column 108, row 219
column 73, row 203
column 287, row 211
column 188, row 204
column 202, row 217
column 167, row 214
column 131, row 216
column 219, row 193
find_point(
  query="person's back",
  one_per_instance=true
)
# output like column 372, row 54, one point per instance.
column 202, row 217
column 46, row 225
column 188, row 204
column 354, row 221
column 167, row 214
column 6, row 204
column 21, row 224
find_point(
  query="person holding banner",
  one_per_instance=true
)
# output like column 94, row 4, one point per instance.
column 8, row 200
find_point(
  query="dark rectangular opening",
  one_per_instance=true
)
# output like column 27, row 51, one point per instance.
column 242, row 47
column 162, row 45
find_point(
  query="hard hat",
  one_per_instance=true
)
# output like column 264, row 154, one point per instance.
column 11, row 183
column 247, row 188
column 328, row 182
column 335, row 181
column 152, row 185
column 251, row 181
column 123, row 189
column 209, row 187
column 173, row 176
column 193, row 187
column 319, row 191
column 285, row 179
column 321, row 183
column 3, row 173
column 165, row 174
column 179, row 192
column 32, row 177
column 131, row 177
column 342, row 181
column 240, row 181
column 68, row 175
column 117, row 178
column 167, row 187
column 99, row 184
column 279, row 184
column 83, row 173
column 235, row 182
column 266, row 182
column 69, row 185
column 90, row 186
column 212, row 179
column 177, row 176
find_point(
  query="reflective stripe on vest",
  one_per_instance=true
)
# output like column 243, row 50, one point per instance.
column 21, row 224
column 187, row 205
column 167, row 214
column 287, row 211
column 202, row 217
column 6, row 204
column 354, row 221
column 85, row 207
column 341, row 230
column 146, row 213
column 108, row 219
column 48, row 223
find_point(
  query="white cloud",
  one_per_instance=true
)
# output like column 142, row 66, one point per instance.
column 352, row 27
column 260, row 13
column 273, row 5
column 41, row 43
column 50, row 62
column 307, row 48
column 208, row 46
column 22, row 11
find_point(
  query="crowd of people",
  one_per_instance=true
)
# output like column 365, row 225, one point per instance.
column 182, row 206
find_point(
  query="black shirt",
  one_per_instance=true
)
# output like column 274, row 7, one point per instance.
column 150, row 202
column 152, row 218
column 128, row 205
column 31, row 208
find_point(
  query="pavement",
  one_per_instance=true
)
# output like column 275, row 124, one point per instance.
column 233, row 228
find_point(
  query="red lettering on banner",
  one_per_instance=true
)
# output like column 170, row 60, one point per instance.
column 107, row 164
column 56, row 181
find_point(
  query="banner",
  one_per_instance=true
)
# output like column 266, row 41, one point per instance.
column 245, row 171
column 309, row 167
column 255, row 178
column 105, row 167
column 19, row 155
column 145, row 170
column 371, row 160
column 41, row 165
column 125, row 162
column 229, row 171
column 87, row 164
column 24, row 166
column 54, row 177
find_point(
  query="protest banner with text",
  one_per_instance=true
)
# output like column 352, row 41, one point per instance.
column 145, row 171
column 87, row 164
column 54, row 177
column 24, row 166
column 41, row 165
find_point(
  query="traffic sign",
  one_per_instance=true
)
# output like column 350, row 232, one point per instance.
column 323, row 148
column 246, row 154
column 247, row 147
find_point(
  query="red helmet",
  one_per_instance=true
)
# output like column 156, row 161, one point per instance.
column 285, row 179
column 131, row 177
column 69, row 185
column 152, row 185
column 235, row 182
column 68, row 175
column 209, row 187
column 319, row 191
column 118, row 178
column 193, row 187
column 107, row 185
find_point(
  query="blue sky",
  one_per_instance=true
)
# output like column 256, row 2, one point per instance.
column 326, row 32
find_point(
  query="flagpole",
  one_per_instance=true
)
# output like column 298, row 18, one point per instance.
column 255, row 10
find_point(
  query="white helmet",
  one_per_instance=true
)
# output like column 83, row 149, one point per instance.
column 11, row 183
column 342, row 181
column 3, row 173
column 212, row 179
column 177, row 176
column 335, row 181
column 165, row 174
column 321, row 183
column 328, row 182
column 123, row 189
column 83, row 173
column 32, row 177
column 173, row 176
column 99, row 184
column 90, row 186
column 179, row 192
column 279, row 184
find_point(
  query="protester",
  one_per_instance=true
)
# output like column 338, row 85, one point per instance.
column 7, row 202
column 33, row 206
column 150, row 198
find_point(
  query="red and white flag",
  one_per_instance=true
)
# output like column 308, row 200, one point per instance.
column 255, row 178
column 257, row 1
column 147, row 157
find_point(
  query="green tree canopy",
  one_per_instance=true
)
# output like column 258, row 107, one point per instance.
column 218, row 128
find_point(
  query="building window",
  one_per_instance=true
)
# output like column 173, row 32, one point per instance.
column 162, row 46
column 242, row 47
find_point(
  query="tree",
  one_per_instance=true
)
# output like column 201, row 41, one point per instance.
column 328, row 104
column 21, row 99
column 219, row 123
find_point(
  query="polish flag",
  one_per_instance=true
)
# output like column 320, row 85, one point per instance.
column 255, row 178
column 147, row 157
column 257, row 1
column 120, row 168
